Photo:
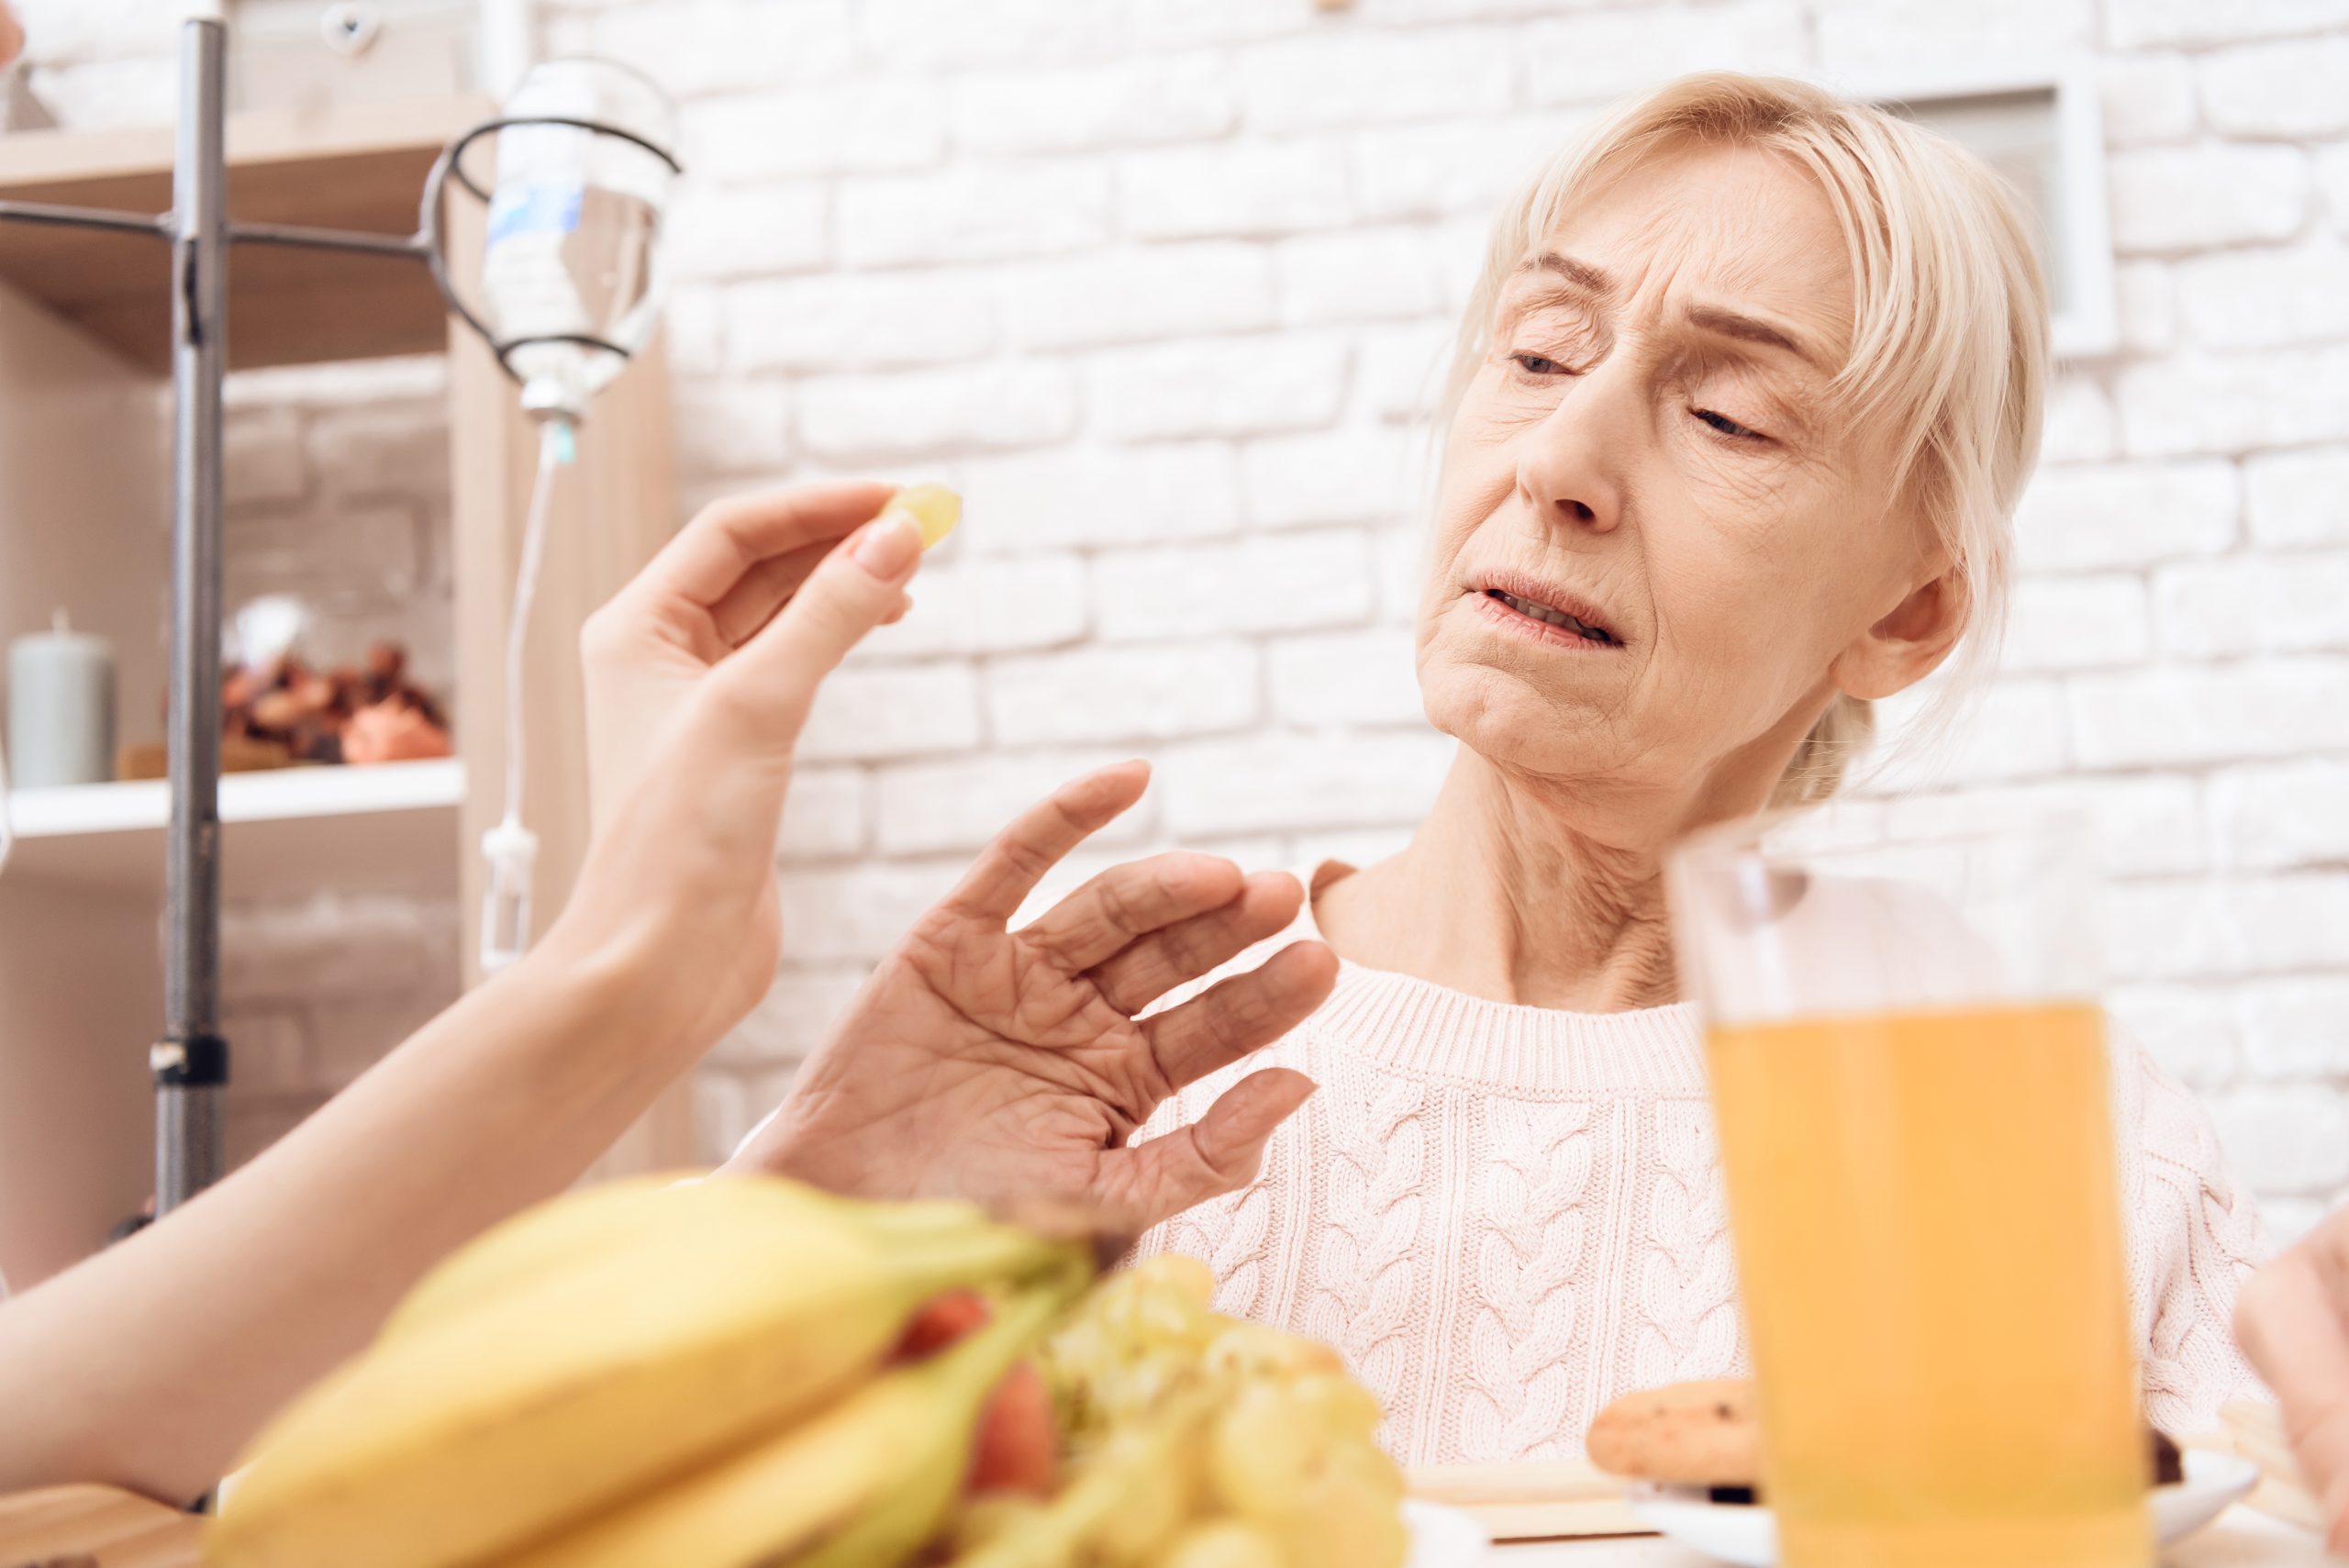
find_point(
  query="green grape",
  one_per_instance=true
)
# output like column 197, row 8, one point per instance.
column 986, row 1519
column 1222, row 1543
column 1364, row 1463
column 1179, row 1274
column 1344, row 1406
column 1259, row 1349
column 1162, row 1496
column 1262, row 1449
column 934, row 508
column 1148, row 1311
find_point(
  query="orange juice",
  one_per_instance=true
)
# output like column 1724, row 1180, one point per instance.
column 1927, row 1229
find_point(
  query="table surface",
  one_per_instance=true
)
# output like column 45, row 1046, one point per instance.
column 2240, row 1539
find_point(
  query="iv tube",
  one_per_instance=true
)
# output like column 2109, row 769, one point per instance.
column 511, row 849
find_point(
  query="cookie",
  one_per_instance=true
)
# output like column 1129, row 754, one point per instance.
column 1706, row 1434
column 1688, row 1434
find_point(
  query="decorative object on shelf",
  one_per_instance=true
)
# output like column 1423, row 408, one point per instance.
column 364, row 713
column 277, row 711
column 60, row 708
column 189, row 1064
column 367, row 713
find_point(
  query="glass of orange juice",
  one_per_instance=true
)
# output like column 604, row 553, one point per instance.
column 1908, row 1070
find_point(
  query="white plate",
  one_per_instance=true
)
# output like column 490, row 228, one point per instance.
column 1748, row 1537
column 1443, row 1538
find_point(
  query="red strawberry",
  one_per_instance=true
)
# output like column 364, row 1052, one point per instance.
column 942, row 1322
column 1018, row 1446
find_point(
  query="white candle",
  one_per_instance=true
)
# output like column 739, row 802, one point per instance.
column 60, row 708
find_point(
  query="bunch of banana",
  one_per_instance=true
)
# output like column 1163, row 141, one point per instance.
column 1197, row 1441
column 661, row 1376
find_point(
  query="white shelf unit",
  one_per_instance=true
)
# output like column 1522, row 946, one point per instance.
column 381, row 827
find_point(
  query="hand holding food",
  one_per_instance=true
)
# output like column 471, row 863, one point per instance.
column 707, row 664
column 1010, row 1067
column 658, row 642
column 293, row 1260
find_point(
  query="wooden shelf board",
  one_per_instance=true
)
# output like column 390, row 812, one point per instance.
column 390, row 828
column 359, row 167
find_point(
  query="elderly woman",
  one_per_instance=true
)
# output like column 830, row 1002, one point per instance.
column 1740, row 409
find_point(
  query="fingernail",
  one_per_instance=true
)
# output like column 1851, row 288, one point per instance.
column 888, row 546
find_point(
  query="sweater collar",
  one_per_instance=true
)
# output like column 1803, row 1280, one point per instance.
column 1416, row 1026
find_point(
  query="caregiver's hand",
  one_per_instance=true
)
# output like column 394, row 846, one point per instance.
column 700, row 675
column 1010, row 1067
column 2292, row 1320
column 649, row 650
column 151, row 1363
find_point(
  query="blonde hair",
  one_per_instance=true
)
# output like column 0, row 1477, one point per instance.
column 1950, row 327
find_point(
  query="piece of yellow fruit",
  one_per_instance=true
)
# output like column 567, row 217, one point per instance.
column 934, row 509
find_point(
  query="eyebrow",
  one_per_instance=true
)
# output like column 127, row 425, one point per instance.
column 1745, row 329
column 1581, row 273
column 1713, row 318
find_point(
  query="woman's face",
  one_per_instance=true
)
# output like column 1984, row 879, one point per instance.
column 1659, row 550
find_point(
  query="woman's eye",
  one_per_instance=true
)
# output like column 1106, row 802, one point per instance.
column 1535, row 364
column 1726, row 426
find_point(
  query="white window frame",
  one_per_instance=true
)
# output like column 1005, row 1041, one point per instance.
column 2087, row 325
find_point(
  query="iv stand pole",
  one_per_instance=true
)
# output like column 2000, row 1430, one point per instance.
column 190, row 1063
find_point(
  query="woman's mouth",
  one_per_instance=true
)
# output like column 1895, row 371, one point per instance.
column 1506, row 608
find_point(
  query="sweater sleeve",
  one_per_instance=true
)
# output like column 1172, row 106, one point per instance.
column 2194, row 1234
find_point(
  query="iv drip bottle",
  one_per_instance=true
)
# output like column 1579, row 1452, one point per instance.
column 574, row 228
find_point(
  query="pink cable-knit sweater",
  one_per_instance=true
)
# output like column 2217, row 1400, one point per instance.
column 1505, row 1216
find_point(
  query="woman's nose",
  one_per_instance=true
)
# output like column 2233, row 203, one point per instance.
column 1569, row 469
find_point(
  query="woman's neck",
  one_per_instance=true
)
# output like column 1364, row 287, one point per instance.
column 1501, row 894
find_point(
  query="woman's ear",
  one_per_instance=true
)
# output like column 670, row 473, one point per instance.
column 1908, row 644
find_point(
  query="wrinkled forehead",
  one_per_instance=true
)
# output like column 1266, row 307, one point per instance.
column 1741, row 230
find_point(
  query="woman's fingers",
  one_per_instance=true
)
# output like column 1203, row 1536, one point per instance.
column 1244, row 1012
column 2292, row 1320
column 772, row 681
column 1040, row 838
column 1219, row 1153
column 745, row 610
column 1128, row 901
column 1150, row 968
column 728, row 538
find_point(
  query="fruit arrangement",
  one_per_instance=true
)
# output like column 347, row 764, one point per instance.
column 751, row 1374
column 1195, row 1440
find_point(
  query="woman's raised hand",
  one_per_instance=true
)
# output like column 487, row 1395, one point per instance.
column 699, row 676
column 1010, row 1067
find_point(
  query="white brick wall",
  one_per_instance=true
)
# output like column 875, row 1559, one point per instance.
column 1166, row 285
